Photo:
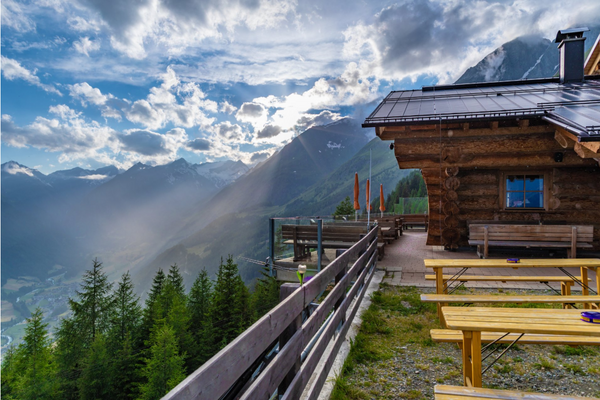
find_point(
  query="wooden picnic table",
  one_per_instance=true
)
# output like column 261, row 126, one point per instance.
column 474, row 320
column 584, row 264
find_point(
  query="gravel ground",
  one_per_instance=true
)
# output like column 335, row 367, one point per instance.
column 394, row 358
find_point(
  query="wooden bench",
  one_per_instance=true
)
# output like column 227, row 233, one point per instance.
column 412, row 220
column 335, row 236
column 447, row 392
column 567, row 300
column 454, row 336
column 565, row 281
column 570, row 237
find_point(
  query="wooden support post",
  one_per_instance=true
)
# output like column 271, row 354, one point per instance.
column 440, row 288
column 476, row 358
column 574, row 243
column 584, row 289
column 597, row 270
column 485, row 241
column 286, row 290
column 466, row 356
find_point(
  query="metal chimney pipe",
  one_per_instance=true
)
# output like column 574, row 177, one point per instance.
column 572, row 48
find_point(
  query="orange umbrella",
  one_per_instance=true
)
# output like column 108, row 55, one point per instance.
column 356, row 205
column 369, row 207
column 381, row 203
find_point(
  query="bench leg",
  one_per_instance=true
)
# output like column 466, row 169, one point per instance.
column 584, row 290
column 565, row 290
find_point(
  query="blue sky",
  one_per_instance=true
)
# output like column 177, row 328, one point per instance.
column 109, row 82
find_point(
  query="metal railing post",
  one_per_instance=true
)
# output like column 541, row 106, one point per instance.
column 320, row 243
column 271, row 245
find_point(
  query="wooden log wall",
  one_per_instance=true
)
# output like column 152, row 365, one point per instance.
column 574, row 198
column 462, row 169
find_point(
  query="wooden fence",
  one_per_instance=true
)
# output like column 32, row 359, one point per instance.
column 286, row 373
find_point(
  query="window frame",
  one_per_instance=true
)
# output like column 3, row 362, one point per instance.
column 546, row 190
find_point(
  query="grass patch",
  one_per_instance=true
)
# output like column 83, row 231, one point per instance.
column 345, row 391
column 544, row 364
column 573, row 350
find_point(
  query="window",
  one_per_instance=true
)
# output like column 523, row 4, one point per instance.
column 524, row 191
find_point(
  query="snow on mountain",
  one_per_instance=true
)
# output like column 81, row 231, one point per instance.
column 222, row 173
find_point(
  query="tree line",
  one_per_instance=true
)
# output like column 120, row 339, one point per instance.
column 409, row 186
column 112, row 347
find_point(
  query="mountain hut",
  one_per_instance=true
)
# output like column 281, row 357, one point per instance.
column 525, row 151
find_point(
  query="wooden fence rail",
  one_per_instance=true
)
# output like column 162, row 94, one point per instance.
column 214, row 379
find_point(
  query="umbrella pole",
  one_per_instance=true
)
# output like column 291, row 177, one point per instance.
column 355, row 215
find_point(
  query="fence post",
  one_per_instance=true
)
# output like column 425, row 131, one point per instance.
column 338, row 278
column 286, row 290
column 271, row 245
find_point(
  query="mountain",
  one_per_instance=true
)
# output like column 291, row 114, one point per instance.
column 307, row 159
column 526, row 57
column 67, row 217
column 244, row 230
column 35, row 238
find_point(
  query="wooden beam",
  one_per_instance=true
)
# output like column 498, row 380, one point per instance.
column 564, row 141
column 451, row 150
column 494, row 125
column 584, row 152
column 395, row 132
column 523, row 123
column 483, row 161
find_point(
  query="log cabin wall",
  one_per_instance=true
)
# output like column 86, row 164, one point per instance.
column 464, row 169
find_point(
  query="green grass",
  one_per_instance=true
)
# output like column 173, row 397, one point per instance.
column 573, row 350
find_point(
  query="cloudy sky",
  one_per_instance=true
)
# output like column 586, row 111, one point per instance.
column 96, row 82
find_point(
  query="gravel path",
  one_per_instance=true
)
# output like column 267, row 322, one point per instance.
column 396, row 358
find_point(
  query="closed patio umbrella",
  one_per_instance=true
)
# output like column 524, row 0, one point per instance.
column 381, row 202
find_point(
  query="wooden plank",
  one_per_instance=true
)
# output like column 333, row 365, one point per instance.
column 505, row 278
column 319, row 282
column 521, row 320
column 502, row 263
column 488, row 298
column 310, row 363
column 472, row 393
column 341, row 337
column 216, row 376
column 454, row 336
column 264, row 386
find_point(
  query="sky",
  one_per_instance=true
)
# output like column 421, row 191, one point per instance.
column 90, row 83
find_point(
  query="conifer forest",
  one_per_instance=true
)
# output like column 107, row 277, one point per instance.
column 114, row 347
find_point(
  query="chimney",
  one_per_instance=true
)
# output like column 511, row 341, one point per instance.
column 571, row 49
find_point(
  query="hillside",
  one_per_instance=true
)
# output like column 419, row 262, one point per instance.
column 245, row 233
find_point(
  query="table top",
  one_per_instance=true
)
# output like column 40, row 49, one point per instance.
column 519, row 320
column 502, row 263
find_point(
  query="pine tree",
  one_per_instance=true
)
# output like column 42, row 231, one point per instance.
column 266, row 294
column 96, row 377
column 199, row 304
column 94, row 308
column 229, row 312
column 124, row 356
column 10, row 372
column 344, row 208
column 92, row 315
column 164, row 368
column 149, row 312
column 36, row 379
column 127, row 311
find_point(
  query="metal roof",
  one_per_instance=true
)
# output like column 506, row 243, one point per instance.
column 574, row 105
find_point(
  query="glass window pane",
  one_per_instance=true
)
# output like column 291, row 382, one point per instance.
column 534, row 182
column 514, row 182
column 514, row 199
column 534, row 200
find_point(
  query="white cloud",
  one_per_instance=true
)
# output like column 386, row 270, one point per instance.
column 182, row 104
column 86, row 93
column 228, row 131
column 14, row 16
column 80, row 24
column 227, row 108
column 12, row 69
column 85, row 46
